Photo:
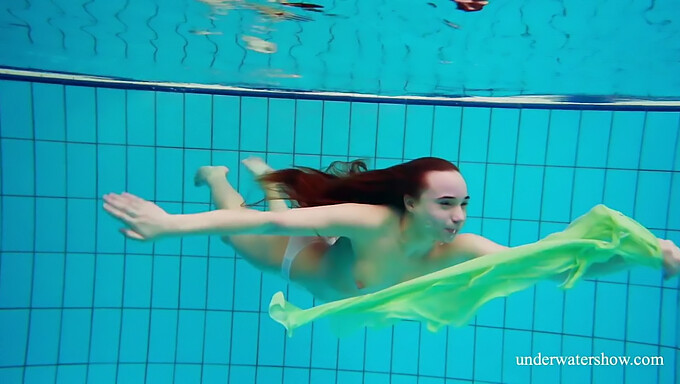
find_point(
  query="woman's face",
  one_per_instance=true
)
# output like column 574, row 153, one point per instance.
column 442, row 207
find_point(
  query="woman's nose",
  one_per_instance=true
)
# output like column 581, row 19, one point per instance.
column 457, row 215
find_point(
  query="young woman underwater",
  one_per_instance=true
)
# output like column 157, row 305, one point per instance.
column 352, row 232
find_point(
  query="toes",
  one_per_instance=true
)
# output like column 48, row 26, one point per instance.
column 198, row 180
column 252, row 160
column 206, row 172
column 200, row 176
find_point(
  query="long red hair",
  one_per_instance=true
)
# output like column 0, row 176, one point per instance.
column 352, row 182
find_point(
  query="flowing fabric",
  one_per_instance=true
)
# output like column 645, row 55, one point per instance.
column 453, row 295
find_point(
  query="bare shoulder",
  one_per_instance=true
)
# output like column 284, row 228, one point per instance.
column 466, row 246
column 376, row 220
column 477, row 245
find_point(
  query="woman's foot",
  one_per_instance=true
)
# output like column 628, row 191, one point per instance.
column 257, row 166
column 274, row 195
column 207, row 173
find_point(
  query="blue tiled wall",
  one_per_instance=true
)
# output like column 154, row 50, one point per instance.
column 78, row 302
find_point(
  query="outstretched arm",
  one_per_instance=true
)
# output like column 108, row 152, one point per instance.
column 478, row 246
column 146, row 220
column 671, row 262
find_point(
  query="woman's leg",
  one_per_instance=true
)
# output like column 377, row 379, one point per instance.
column 307, row 251
column 264, row 251
column 275, row 198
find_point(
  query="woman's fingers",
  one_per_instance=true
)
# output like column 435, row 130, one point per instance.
column 122, row 203
column 118, row 207
column 124, row 197
column 115, row 200
column 128, row 208
column 118, row 213
column 131, row 234
column 143, row 219
column 671, row 261
column 132, row 198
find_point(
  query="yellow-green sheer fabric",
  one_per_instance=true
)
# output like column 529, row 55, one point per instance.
column 453, row 295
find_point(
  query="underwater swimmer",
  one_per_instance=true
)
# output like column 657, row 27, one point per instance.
column 354, row 232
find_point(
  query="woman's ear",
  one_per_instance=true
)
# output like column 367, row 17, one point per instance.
column 409, row 203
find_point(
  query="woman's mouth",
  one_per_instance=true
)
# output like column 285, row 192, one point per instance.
column 452, row 231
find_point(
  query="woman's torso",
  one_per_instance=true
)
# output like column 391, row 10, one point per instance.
column 351, row 267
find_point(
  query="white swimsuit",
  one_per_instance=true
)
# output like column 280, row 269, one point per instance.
column 295, row 245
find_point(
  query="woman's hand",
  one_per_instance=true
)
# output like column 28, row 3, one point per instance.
column 145, row 219
column 671, row 258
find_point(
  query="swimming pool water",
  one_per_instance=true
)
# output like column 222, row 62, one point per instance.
column 383, row 47
column 79, row 303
